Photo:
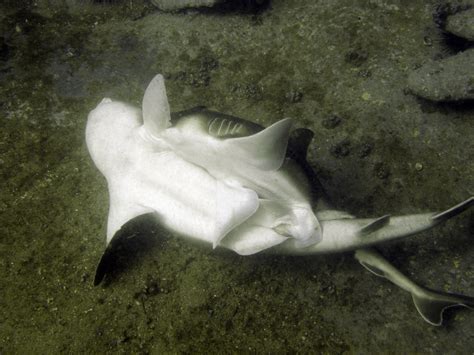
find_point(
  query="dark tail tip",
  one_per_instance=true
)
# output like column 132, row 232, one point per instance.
column 453, row 211
column 432, row 304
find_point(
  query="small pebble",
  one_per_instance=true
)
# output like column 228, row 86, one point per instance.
column 84, row 277
column 366, row 96
column 341, row 149
column 365, row 150
column 427, row 41
column 381, row 170
column 356, row 57
column 294, row 96
column 331, row 122
column 418, row 166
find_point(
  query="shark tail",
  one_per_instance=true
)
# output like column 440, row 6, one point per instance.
column 432, row 304
column 453, row 211
column 344, row 232
column 388, row 227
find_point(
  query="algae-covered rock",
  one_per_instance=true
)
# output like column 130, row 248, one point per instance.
column 449, row 79
column 173, row 5
column 462, row 24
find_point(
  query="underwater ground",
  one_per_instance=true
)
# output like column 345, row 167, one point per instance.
column 336, row 67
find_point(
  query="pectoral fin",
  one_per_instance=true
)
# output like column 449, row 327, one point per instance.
column 125, row 247
column 121, row 211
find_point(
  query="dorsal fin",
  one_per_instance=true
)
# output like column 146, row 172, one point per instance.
column 155, row 107
column 374, row 225
column 266, row 149
column 299, row 141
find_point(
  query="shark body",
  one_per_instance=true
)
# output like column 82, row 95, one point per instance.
column 232, row 183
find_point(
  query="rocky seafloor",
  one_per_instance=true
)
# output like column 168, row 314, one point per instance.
column 340, row 68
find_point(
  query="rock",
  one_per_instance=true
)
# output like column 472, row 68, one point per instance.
column 294, row 96
column 365, row 149
column 341, row 149
column 174, row 5
column 449, row 79
column 331, row 122
column 461, row 24
column 381, row 170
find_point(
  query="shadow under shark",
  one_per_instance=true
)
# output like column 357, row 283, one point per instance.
column 231, row 183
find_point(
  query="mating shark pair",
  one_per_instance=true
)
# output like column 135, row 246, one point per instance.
column 231, row 183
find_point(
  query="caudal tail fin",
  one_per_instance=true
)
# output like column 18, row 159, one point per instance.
column 432, row 304
column 429, row 303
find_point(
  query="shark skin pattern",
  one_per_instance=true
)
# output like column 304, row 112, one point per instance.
column 232, row 183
